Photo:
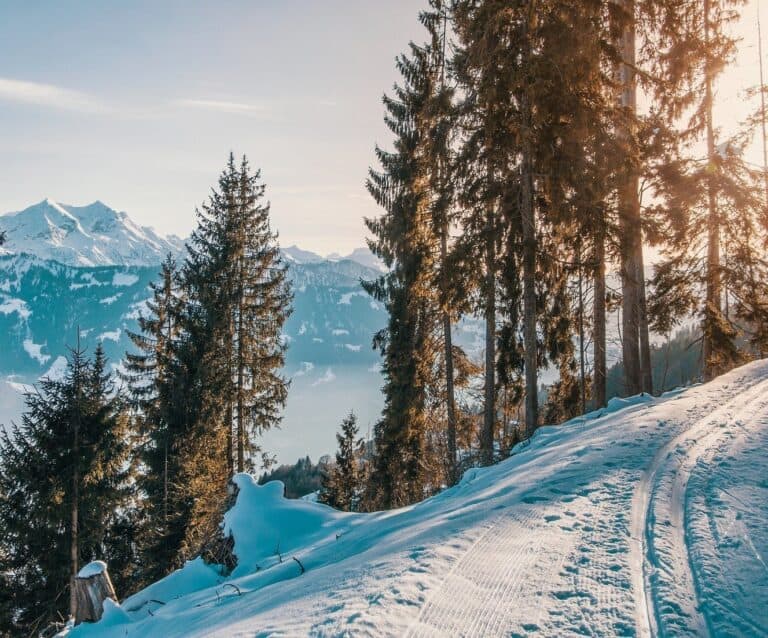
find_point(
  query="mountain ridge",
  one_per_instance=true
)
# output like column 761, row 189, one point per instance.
column 97, row 235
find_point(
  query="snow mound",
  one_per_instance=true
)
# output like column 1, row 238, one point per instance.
column 92, row 568
column 265, row 525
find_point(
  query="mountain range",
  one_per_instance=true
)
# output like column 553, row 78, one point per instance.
column 65, row 267
column 97, row 235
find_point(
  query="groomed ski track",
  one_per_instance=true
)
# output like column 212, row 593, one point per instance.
column 649, row 520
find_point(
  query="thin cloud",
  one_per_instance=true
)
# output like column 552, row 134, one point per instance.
column 221, row 106
column 48, row 95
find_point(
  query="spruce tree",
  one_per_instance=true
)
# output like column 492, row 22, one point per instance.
column 151, row 371
column 239, row 284
column 261, row 305
column 76, row 430
column 713, row 216
column 342, row 482
column 224, row 385
column 405, row 240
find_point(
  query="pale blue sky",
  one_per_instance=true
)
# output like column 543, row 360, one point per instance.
column 138, row 104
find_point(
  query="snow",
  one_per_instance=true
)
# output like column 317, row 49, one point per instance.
column 338, row 332
column 19, row 306
column 353, row 347
column 124, row 279
column 92, row 568
column 111, row 335
column 21, row 388
column 57, row 370
column 346, row 298
column 270, row 526
column 649, row 517
column 92, row 235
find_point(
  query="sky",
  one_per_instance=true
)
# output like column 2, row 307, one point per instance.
column 139, row 104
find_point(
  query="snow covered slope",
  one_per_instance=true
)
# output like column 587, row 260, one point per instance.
column 648, row 518
column 93, row 235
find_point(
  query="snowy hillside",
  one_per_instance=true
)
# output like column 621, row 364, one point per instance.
column 93, row 235
column 648, row 519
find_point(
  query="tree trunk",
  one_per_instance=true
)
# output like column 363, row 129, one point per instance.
column 165, row 480
column 74, row 506
column 489, row 411
column 629, row 215
column 582, row 374
column 762, row 112
column 229, row 419
column 449, row 386
column 528, row 218
column 599, row 316
column 646, row 370
column 447, row 337
column 90, row 591
column 714, row 294
column 240, row 390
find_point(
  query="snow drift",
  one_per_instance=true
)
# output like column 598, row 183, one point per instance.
column 646, row 518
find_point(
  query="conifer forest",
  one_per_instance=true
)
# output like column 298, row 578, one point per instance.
column 559, row 175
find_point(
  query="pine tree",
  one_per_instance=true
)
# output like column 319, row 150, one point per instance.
column 76, row 429
column 405, row 240
column 537, row 149
column 150, row 372
column 261, row 303
column 437, row 116
column 342, row 483
column 714, row 211
column 238, row 281
column 224, row 385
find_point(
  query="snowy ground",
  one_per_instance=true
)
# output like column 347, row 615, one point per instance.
column 651, row 519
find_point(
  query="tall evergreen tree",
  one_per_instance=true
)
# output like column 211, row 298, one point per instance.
column 151, row 371
column 405, row 240
column 238, row 281
column 76, row 430
column 224, row 386
column 437, row 116
column 714, row 208
column 261, row 304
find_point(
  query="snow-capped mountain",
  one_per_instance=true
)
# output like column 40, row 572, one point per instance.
column 362, row 256
column 92, row 235
column 296, row 255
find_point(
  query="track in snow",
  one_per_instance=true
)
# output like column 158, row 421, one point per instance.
column 646, row 521
column 666, row 591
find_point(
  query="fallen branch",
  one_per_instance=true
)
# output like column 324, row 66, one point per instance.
column 233, row 586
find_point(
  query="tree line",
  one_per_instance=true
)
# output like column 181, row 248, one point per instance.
column 522, row 175
column 133, row 470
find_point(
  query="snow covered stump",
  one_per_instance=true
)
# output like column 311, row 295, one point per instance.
column 92, row 587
